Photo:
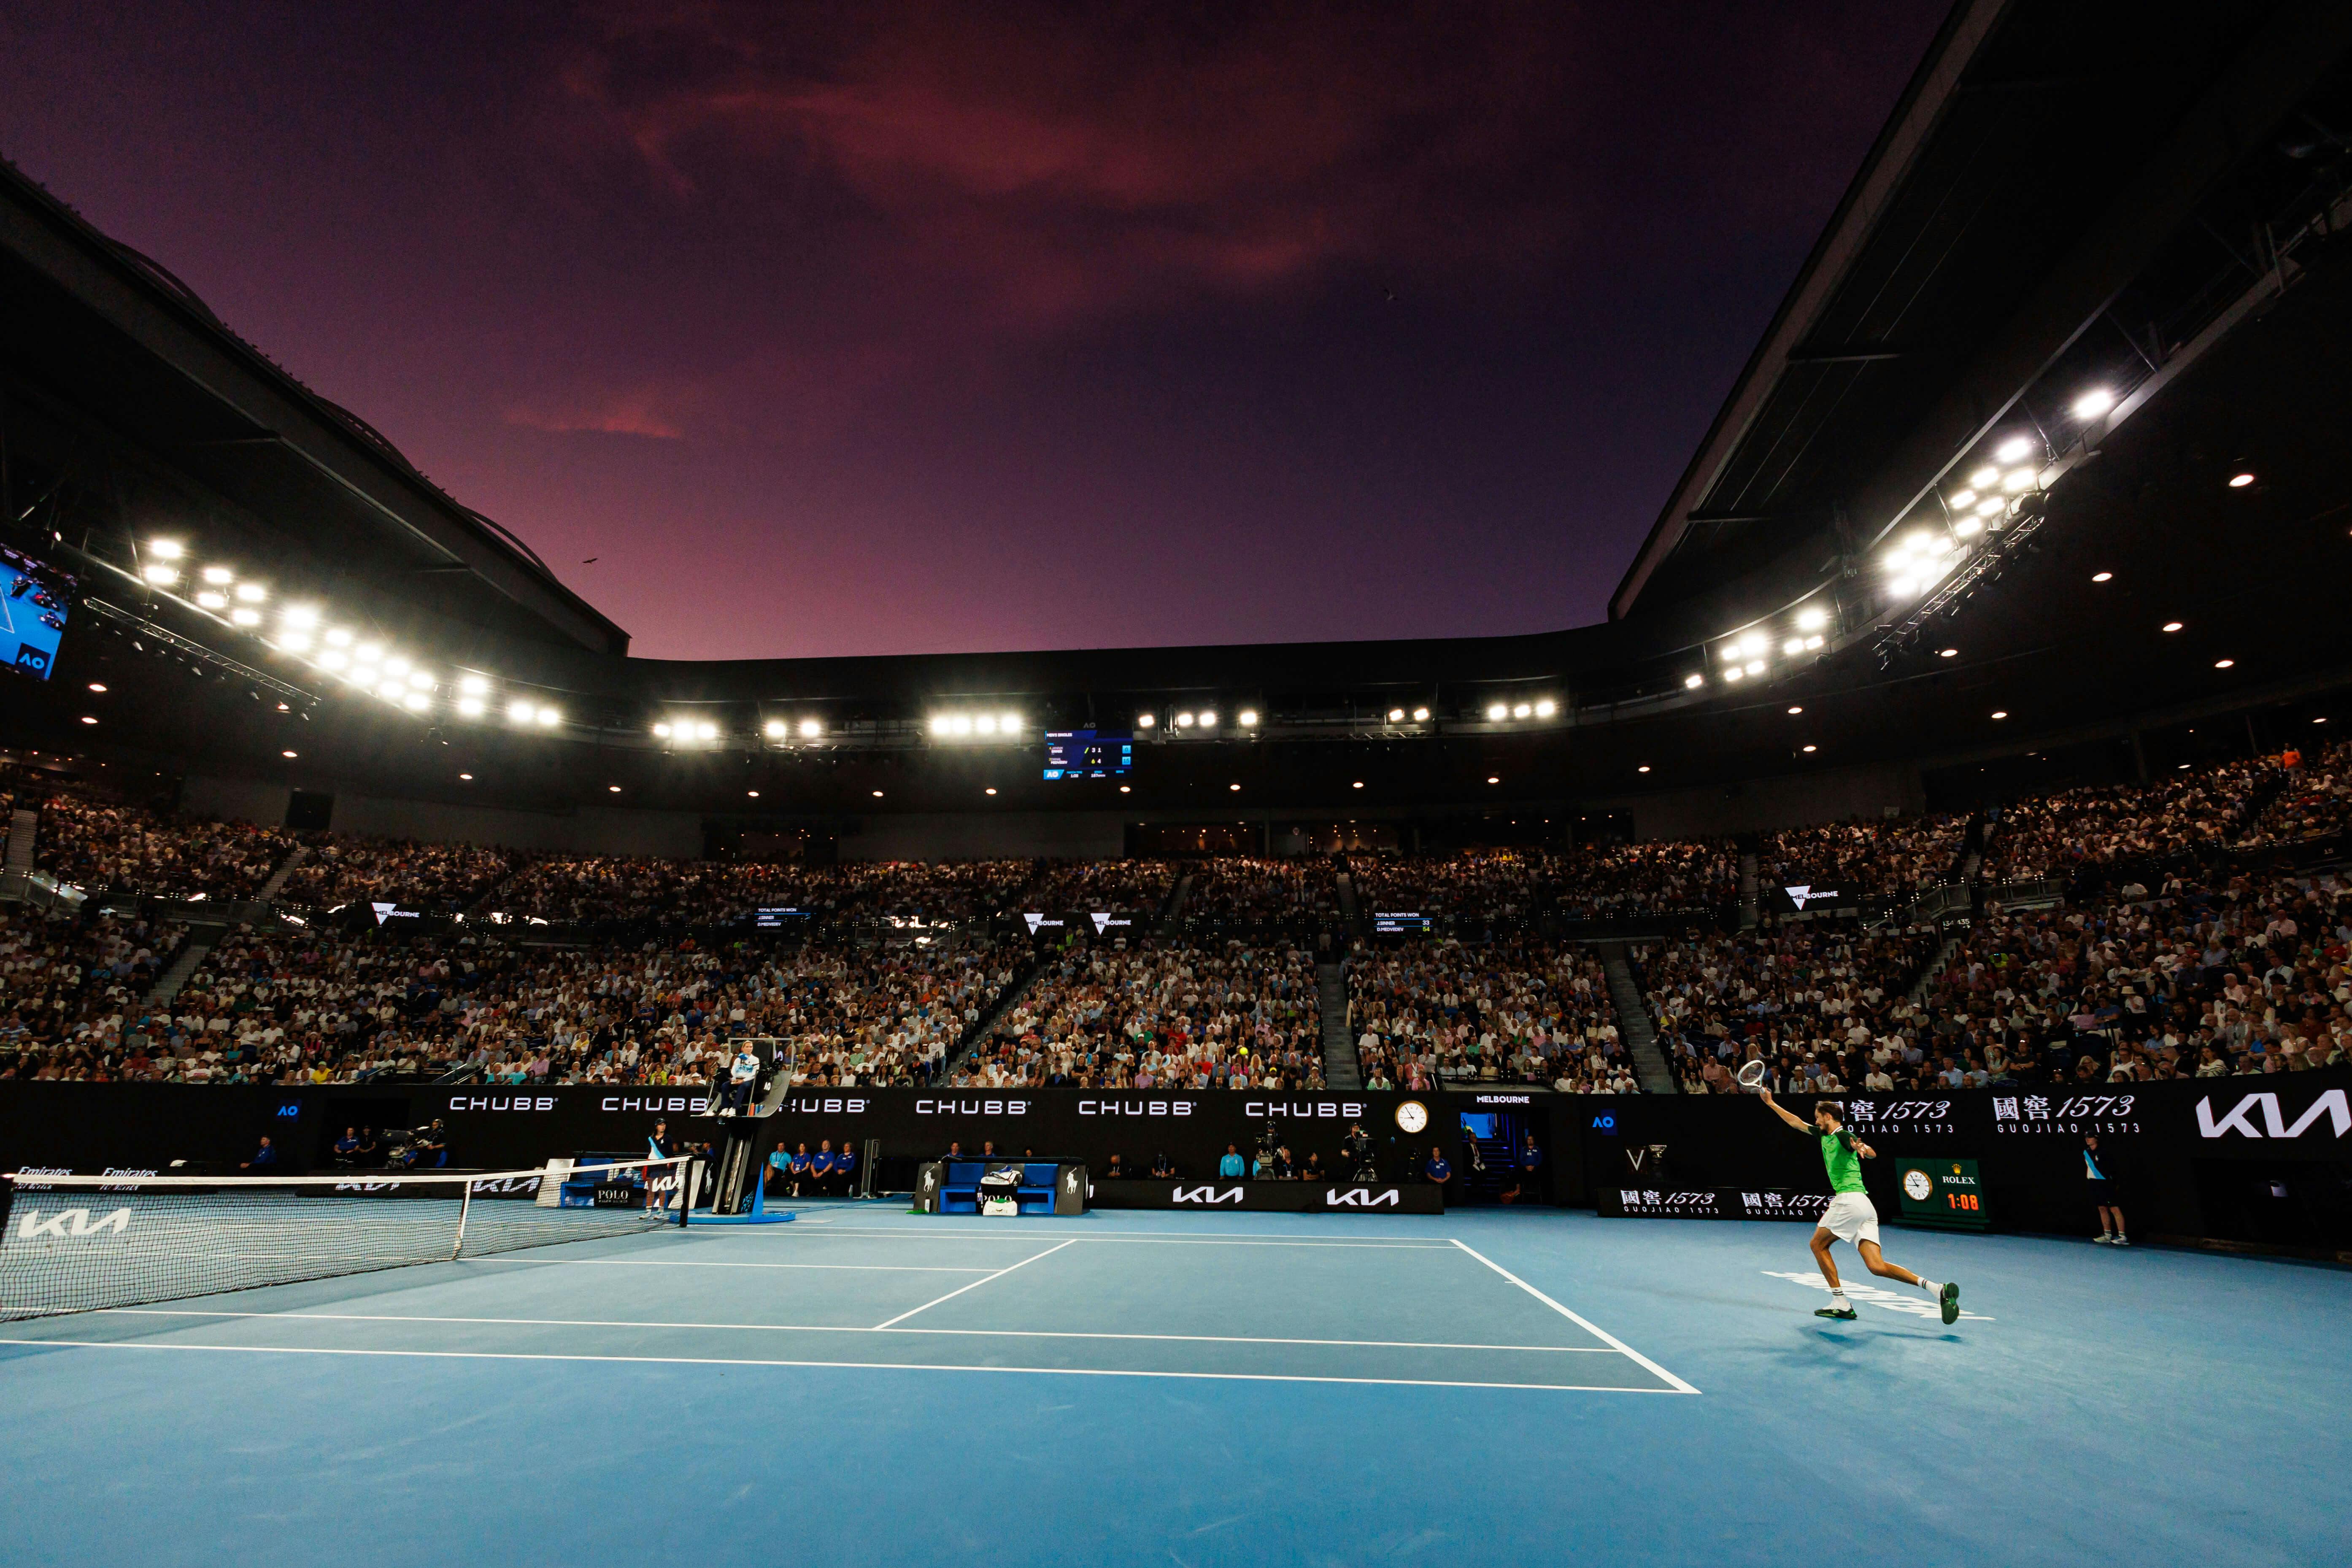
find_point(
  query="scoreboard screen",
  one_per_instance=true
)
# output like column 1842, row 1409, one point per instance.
column 34, row 598
column 1401, row 922
column 1088, row 754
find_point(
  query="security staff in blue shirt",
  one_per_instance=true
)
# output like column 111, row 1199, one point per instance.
column 1231, row 1166
column 798, row 1168
column 821, row 1168
column 1437, row 1169
column 844, row 1167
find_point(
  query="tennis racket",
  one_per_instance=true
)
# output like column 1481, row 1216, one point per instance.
column 1751, row 1075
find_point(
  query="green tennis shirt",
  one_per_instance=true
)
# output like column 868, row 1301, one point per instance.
column 1845, row 1165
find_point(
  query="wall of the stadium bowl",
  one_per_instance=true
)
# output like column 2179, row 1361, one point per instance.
column 1015, row 835
column 1759, row 805
column 673, row 835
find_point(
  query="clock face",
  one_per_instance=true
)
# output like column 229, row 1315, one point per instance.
column 1917, row 1184
column 1413, row 1116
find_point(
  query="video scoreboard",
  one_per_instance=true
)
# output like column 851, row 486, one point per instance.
column 1088, row 754
column 1942, row 1192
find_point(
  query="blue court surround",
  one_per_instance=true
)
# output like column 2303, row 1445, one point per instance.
column 953, row 1389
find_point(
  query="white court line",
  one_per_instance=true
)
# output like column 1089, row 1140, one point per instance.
column 843, row 1328
column 1171, row 1238
column 976, row 1284
column 710, row 1263
column 1680, row 1386
column 843, row 1365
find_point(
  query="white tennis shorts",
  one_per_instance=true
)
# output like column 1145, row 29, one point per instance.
column 1851, row 1218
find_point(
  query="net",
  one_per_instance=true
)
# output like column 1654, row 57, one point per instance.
column 79, row 1244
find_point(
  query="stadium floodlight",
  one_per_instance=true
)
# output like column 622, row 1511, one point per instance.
column 811, row 729
column 1903, row 587
column 2240, row 481
column 1497, row 711
column 219, row 577
column 1693, row 681
column 368, row 652
column 1992, row 506
column 1968, row 527
column 1985, row 478
column 246, row 617
column 420, row 680
column 1396, row 715
column 1421, row 715
column 1208, row 718
column 1523, row 711
column 301, row 617
column 1145, row 720
column 705, row 731
column 1734, row 673
column 212, row 600
column 2017, row 481
column 773, row 729
column 161, row 575
column 473, row 685
column 469, row 707
column 2093, row 403
column 1248, row 716
column 985, row 724
column 940, row 722
column 395, row 665
column 961, row 724
column 1963, row 499
column 1794, row 646
column 252, row 593
column 1755, row 666
column 520, row 713
column 334, row 658
column 294, row 642
column 1547, row 708
column 663, row 730
column 415, row 701
column 1008, row 724
column 2223, row 663
column 2014, row 450
column 1183, row 721
column 2103, row 576
column 1812, row 618
column 165, row 549
column 338, row 637
column 549, row 717
column 2172, row 626
column 1815, row 641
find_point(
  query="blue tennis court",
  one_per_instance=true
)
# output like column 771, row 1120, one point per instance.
column 865, row 1385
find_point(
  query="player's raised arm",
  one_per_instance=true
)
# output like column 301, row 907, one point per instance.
column 1781, row 1111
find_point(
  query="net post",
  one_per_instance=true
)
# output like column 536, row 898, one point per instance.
column 465, row 1207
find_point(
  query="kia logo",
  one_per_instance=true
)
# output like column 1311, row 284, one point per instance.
column 2331, row 1104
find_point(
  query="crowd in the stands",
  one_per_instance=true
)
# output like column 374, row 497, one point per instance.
column 1863, row 859
column 439, row 879
column 1243, row 888
column 2062, row 834
column 1150, row 1014
column 96, row 844
column 1519, row 1010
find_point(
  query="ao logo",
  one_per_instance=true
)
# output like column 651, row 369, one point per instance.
column 70, row 1222
column 1918, row 1187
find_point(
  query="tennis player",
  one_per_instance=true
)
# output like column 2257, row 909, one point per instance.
column 1850, row 1216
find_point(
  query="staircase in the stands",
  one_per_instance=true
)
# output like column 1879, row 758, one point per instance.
column 1340, row 1067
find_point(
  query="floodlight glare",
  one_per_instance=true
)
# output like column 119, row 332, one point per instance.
column 520, row 713
column 2013, row 449
column 339, row 637
column 1008, row 724
column 1145, row 720
column 1992, row 506
column 1734, row 673
column 2018, row 480
column 252, row 593
column 161, row 576
column 663, row 730
column 1497, row 711
column 549, row 716
column 1421, row 715
column 2103, row 576
column 396, row 666
column 1985, row 478
column 959, row 725
column 1546, row 709
column 1396, row 715
column 220, row 576
column 773, row 729
column 415, row 701
column 940, row 722
column 1692, row 682
column 1755, row 666
column 1813, row 620
column 472, row 685
column 1208, row 718
column 469, row 707
column 246, row 617
column 334, row 658
column 985, row 724
column 2240, row 481
column 302, row 617
column 294, row 642
column 1523, row 711
column 1903, row 587
column 368, row 652
column 706, row 730
column 811, row 729
column 2093, row 403
column 1815, row 641
column 1964, row 499
column 1183, row 721
column 1968, row 527
column 1794, row 645
column 1248, row 716
column 210, row 601
column 165, row 549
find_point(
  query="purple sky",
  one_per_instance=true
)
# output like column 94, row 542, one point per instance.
column 859, row 330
